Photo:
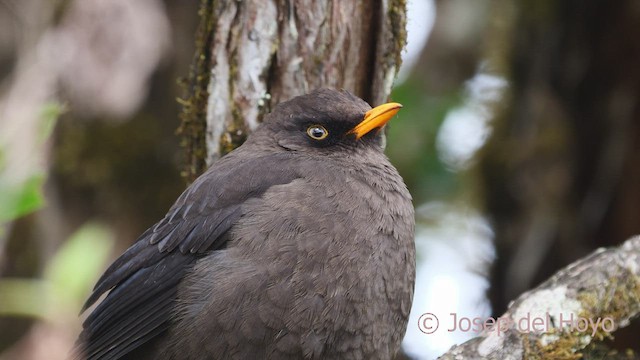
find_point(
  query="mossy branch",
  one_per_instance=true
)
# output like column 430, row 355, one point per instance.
column 578, row 307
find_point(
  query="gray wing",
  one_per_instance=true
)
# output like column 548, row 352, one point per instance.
column 144, row 280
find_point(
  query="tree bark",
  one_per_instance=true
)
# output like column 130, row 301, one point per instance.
column 254, row 54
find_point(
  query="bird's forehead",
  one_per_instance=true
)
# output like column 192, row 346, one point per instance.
column 325, row 104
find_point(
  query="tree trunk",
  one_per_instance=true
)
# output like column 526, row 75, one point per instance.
column 254, row 54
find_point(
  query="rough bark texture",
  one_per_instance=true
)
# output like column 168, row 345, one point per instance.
column 254, row 54
column 604, row 285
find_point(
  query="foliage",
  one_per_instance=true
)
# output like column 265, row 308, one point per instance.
column 67, row 278
column 69, row 274
column 25, row 196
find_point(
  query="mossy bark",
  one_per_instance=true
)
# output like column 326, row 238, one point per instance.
column 253, row 54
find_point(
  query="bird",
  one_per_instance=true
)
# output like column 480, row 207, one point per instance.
column 299, row 244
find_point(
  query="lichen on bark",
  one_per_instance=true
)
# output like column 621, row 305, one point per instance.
column 604, row 285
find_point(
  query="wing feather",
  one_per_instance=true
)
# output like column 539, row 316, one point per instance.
column 143, row 282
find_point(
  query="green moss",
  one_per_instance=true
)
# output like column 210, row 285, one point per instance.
column 236, row 132
column 193, row 116
column 398, row 18
column 563, row 348
column 624, row 292
column 624, row 299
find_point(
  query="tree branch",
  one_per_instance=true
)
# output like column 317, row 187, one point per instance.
column 586, row 301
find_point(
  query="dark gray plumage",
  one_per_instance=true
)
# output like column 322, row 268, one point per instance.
column 288, row 247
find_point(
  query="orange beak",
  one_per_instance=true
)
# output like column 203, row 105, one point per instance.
column 375, row 118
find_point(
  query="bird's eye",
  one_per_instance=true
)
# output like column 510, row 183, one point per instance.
column 317, row 132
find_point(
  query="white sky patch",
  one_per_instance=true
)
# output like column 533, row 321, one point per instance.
column 466, row 129
column 455, row 244
column 421, row 14
column 457, row 239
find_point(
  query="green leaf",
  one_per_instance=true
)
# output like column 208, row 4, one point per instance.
column 67, row 279
column 20, row 199
column 80, row 260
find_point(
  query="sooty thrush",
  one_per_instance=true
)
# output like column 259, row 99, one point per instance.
column 298, row 244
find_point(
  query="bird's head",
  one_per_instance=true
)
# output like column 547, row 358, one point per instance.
column 326, row 120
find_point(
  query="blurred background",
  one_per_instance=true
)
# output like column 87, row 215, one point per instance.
column 519, row 140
